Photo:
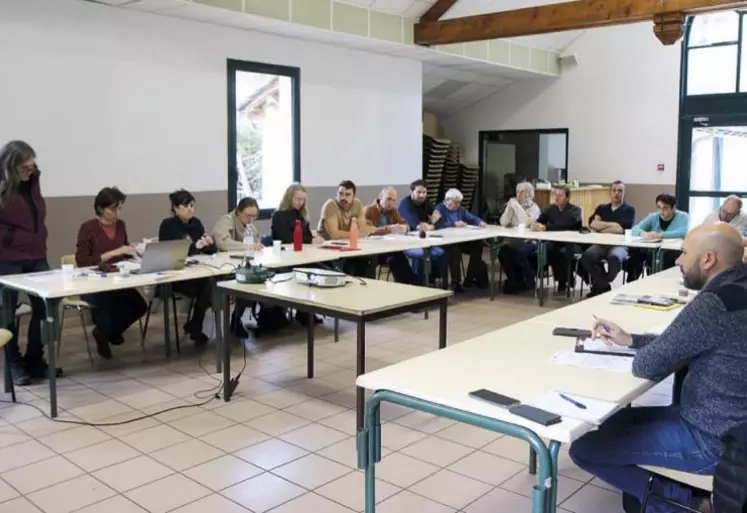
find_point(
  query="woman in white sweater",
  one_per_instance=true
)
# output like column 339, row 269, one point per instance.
column 515, row 255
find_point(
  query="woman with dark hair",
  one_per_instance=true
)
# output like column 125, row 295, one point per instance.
column 184, row 225
column 23, row 249
column 102, row 241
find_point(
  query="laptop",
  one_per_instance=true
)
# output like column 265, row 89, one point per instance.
column 164, row 256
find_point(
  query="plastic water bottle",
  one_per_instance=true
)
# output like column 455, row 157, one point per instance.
column 248, row 243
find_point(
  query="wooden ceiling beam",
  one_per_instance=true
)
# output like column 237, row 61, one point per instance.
column 437, row 10
column 580, row 14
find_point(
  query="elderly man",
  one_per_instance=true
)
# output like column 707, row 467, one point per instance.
column 451, row 214
column 709, row 337
column 730, row 212
column 613, row 217
column 383, row 218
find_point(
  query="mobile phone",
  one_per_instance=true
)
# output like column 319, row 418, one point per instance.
column 571, row 332
column 542, row 417
column 494, row 398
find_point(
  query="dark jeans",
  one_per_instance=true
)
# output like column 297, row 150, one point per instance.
column 238, row 312
column 400, row 267
column 115, row 311
column 362, row 267
column 591, row 261
column 639, row 257
column 557, row 258
column 517, row 266
column 454, row 254
column 437, row 262
column 200, row 291
column 34, row 347
column 655, row 436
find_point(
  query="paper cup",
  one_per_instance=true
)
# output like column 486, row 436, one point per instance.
column 628, row 235
column 277, row 246
column 521, row 228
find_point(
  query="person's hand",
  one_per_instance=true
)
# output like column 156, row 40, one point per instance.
column 317, row 241
column 401, row 228
column 460, row 224
column 596, row 224
column 435, row 216
column 597, row 217
column 611, row 333
column 126, row 250
column 482, row 224
column 537, row 227
column 208, row 240
column 426, row 227
column 200, row 243
column 256, row 247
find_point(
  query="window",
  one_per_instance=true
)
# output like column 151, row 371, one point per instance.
column 713, row 52
column 263, row 132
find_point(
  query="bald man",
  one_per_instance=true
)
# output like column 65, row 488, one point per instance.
column 709, row 337
column 730, row 212
column 382, row 217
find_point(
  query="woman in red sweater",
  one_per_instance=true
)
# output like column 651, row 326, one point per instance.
column 103, row 241
column 23, row 249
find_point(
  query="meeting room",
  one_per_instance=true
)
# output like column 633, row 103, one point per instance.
column 394, row 256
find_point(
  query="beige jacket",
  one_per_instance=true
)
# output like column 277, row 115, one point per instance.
column 229, row 232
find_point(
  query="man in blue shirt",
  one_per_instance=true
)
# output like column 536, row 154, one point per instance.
column 451, row 214
column 416, row 210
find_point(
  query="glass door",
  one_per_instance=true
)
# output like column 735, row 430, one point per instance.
column 715, row 164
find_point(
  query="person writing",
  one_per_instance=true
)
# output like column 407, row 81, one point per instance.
column 707, row 338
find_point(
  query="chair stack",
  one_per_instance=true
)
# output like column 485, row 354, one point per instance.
column 451, row 170
column 468, row 184
column 434, row 158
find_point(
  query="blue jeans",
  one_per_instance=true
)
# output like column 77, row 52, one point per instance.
column 34, row 348
column 416, row 257
column 656, row 436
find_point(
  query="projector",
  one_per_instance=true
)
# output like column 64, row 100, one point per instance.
column 319, row 277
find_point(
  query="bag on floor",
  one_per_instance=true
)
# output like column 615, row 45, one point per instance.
column 270, row 318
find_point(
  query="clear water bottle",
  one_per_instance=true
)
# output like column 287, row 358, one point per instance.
column 248, row 243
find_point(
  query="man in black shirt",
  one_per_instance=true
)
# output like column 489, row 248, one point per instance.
column 561, row 216
column 613, row 217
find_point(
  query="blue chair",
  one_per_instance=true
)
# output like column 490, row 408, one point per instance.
column 266, row 240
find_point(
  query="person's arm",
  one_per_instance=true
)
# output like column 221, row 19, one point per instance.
column 222, row 235
column 368, row 221
column 544, row 217
column 679, row 226
column 443, row 222
column 595, row 214
column 628, row 220
column 199, row 230
column 645, row 225
column 84, row 256
column 685, row 339
column 407, row 211
column 281, row 227
column 169, row 230
column 333, row 228
column 470, row 218
column 508, row 215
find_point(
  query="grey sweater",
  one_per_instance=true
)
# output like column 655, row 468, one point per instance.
column 709, row 336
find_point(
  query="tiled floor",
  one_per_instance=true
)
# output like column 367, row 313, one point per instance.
column 284, row 444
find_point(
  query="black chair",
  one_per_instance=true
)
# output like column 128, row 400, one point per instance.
column 5, row 337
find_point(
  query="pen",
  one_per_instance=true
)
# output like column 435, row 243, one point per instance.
column 601, row 324
column 572, row 401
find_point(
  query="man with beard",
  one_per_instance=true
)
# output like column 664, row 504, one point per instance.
column 709, row 338
column 416, row 210
column 338, row 214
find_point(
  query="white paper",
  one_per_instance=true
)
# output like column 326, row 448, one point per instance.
column 600, row 346
column 44, row 276
column 596, row 411
column 593, row 361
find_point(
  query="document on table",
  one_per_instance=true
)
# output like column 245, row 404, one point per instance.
column 593, row 361
column 45, row 276
column 596, row 412
column 597, row 345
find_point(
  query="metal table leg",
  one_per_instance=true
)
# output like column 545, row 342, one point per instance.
column 165, row 297
column 360, row 369
column 442, row 323
column 310, row 347
column 217, row 305
column 493, row 258
column 49, row 338
column 225, row 302
column 541, row 262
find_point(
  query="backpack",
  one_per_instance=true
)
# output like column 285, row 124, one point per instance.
column 269, row 318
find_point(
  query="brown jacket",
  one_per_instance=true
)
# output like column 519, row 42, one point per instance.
column 372, row 214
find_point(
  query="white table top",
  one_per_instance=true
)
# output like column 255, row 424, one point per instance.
column 515, row 361
column 354, row 299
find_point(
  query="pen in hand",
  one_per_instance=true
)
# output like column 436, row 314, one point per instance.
column 573, row 401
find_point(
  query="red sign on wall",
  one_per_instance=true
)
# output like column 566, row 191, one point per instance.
column 660, row 168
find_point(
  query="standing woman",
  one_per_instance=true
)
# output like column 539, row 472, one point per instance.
column 184, row 225
column 23, row 249
column 102, row 242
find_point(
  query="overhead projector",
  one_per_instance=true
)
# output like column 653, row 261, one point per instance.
column 319, row 277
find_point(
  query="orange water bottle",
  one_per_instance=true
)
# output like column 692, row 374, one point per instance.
column 354, row 233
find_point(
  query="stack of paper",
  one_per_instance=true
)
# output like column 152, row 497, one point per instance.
column 596, row 411
column 597, row 345
column 593, row 361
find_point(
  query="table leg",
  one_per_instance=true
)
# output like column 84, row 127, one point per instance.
column 165, row 298
column 49, row 334
column 427, row 266
column 226, row 310
column 6, row 321
column 657, row 261
column 552, row 501
column 442, row 323
column 337, row 330
column 310, row 347
column 493, row 258
column 217, row 302
column 541, row 262
column 360, row 369
column 532, row 461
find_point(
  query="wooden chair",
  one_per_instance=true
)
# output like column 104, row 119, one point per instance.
column 5, row 337
column 77, row 304
column 701, row 482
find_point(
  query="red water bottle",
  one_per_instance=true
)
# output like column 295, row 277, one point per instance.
column 297, row 236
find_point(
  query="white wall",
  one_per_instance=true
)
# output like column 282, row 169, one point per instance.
column 620, row 103
column 109, row 96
